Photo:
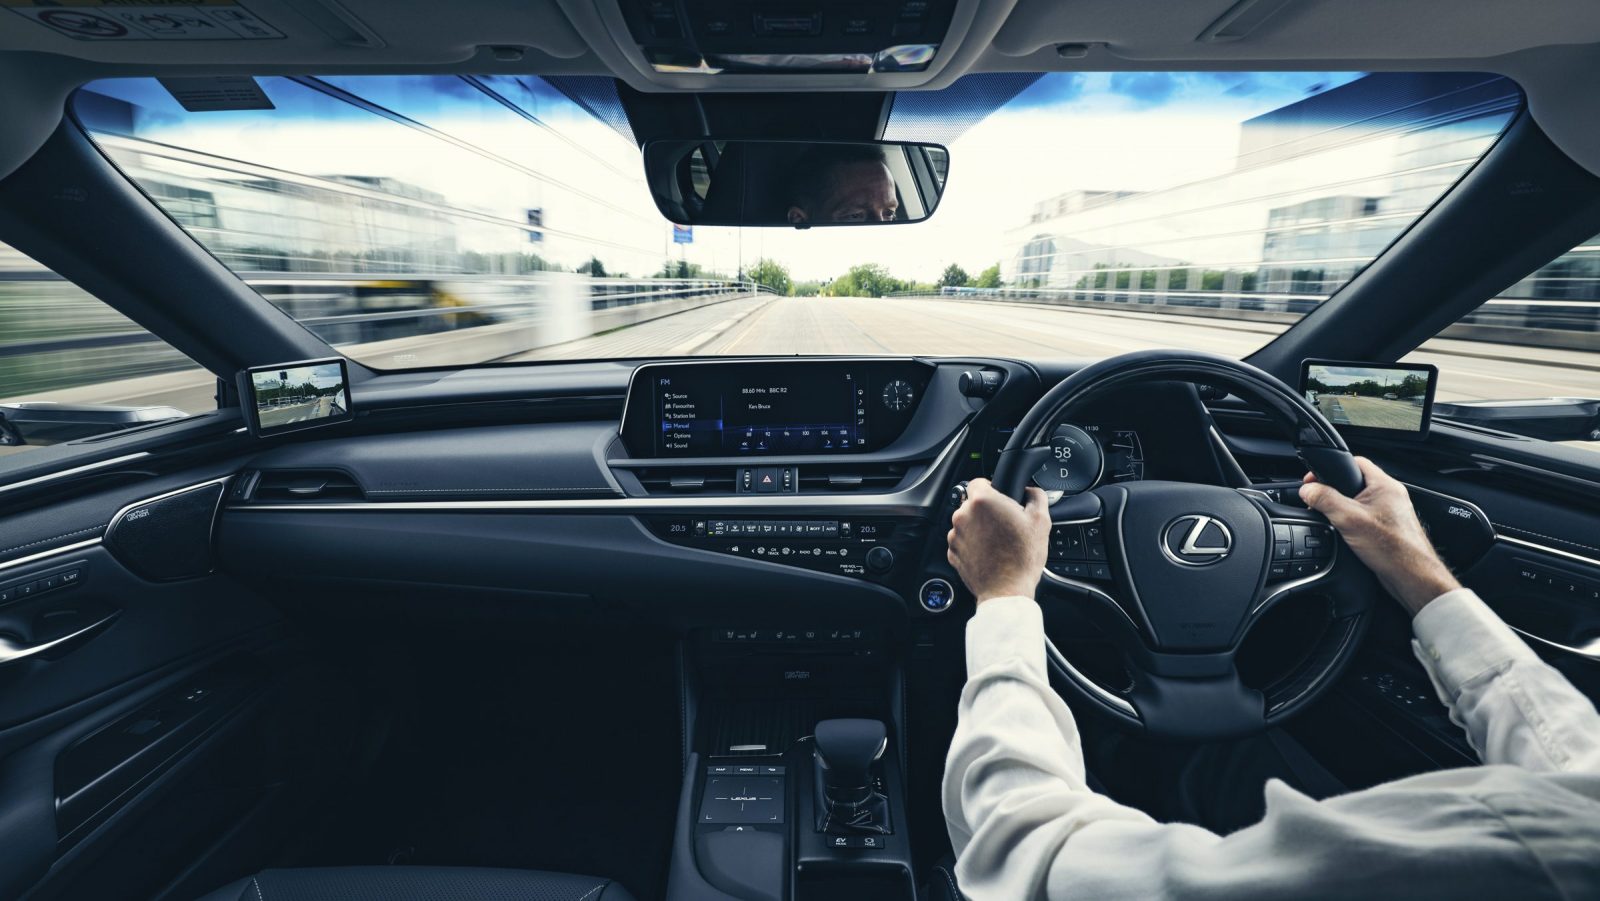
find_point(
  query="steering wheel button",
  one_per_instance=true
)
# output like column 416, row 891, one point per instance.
column 1281, row 532
column 1096, row 551
column 1278, row 571
column 1282, row 550
column 1101, row 571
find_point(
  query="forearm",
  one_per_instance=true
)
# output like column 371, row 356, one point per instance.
column 1015, row 789
column 1515, row 708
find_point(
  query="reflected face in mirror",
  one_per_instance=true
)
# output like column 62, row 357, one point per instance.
column 843, row 183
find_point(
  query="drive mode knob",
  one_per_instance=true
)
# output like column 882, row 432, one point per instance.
column 880, row 559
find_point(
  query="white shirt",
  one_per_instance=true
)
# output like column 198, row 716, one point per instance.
column 1526, row 825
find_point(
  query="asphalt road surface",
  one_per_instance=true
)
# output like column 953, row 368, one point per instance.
column 1469, row 370
column 292, row 413
column 1372, row 412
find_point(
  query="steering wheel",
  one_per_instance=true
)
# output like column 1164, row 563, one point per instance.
column 1177, row 573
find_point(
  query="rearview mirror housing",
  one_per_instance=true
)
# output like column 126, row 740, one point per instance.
column 798, row 184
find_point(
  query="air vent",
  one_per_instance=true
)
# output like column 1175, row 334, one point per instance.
column 687, row 480
column 835, row 478
column 302, row 485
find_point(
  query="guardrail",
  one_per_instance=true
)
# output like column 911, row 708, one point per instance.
column 1567, row 324
column 55, row 337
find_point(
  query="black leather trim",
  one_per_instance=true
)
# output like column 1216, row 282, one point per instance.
column 418, row 884
column 531, row 461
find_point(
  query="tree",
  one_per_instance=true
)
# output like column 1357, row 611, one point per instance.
column 594, row 267
column 865, row 280
column 954, row 277
column 771, row 274
column 989, row 278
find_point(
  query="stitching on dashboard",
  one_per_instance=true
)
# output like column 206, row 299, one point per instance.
column 1547, row 537
column 590, row 892
column 606, row 488
column 48, row 540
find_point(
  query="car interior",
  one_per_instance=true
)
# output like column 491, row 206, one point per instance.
column 454, row 566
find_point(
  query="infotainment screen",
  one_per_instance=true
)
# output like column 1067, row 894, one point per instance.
column 754, row 409
column 291, row 396
column 1393, row 400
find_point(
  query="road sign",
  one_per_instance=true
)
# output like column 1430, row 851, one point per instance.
column 683, row 234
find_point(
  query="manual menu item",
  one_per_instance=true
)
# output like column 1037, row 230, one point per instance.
column 292, row 396
column 1392, row 400
column 757, row 409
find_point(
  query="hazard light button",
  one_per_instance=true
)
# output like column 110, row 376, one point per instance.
column 769, row 479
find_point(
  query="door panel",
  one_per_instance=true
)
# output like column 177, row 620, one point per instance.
column 118, row 691
column 1517, row 521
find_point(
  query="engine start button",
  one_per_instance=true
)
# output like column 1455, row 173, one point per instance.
column 936, row 595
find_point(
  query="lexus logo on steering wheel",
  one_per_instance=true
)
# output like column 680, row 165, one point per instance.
column 1195, row 539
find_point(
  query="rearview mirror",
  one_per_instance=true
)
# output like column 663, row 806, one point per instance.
column 706, row 181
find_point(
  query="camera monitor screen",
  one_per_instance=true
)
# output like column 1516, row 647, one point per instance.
column 293, row 396
column 1393, row 400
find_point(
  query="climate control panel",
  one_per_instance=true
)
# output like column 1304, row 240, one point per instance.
column 872, row 548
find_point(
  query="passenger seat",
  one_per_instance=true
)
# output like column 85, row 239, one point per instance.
column 418, row 884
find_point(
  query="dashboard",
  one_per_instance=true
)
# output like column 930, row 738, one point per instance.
column 813, row 483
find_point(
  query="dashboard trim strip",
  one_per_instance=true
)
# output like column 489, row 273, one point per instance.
column 1533, row 545
column 918, row 497
column 62, row 551
column 76, row 470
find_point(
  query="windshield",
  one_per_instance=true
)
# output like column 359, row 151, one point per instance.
column 423, row 221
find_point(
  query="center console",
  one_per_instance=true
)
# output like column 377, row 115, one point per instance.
column 795, row 785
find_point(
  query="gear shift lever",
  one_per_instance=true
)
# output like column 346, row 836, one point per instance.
column 848, row 799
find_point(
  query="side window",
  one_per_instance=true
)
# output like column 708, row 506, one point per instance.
column 1528, row 361
column 73, row 368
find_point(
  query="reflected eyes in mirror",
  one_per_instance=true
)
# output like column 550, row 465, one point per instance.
column 843, row 183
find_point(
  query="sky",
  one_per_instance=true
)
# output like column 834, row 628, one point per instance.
column 1339, row 376
column 323, row 376
column 1067, row 131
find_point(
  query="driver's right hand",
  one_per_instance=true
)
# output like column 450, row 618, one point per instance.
column 1382, row 528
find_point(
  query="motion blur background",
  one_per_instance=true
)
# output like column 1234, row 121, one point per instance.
column 428, row 221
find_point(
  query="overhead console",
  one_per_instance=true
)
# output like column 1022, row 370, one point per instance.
column 812, row 36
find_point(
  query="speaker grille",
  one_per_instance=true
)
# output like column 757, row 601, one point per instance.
column 168, row 537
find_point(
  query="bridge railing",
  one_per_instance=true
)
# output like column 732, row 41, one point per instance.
column 54, row 336
column 1571, row 324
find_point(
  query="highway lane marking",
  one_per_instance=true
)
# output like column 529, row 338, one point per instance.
column 706, row 337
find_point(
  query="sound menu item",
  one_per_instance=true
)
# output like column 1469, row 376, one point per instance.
column 755, row 409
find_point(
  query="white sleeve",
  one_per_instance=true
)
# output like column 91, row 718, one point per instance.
column 1014, row 786
column 1515, row 708
column 1025, row 825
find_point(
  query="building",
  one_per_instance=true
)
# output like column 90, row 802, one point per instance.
column 1319, row 188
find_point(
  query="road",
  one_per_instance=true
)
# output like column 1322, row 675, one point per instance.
column 1469, row 370
column 1372, row 412
column 271, row 417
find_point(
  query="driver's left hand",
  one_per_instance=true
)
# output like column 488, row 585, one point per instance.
column 997, row 545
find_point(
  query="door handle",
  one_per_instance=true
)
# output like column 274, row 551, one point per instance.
column 13, row 650
column 1589, row 650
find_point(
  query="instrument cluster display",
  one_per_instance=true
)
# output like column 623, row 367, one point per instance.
column 1087, row 456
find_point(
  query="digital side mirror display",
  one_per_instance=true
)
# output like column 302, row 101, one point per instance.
column 287, row 397
column 1388, row 400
